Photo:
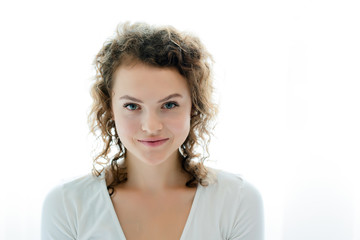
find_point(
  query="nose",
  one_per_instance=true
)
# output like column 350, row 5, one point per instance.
column 151, row 123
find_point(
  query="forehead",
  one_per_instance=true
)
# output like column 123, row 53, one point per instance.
column 142, row 80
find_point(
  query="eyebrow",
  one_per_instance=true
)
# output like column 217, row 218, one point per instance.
column 161, row 100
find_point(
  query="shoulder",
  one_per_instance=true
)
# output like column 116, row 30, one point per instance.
column 245, row 208
column 233, row 184
column 73, row 192
column 239, row 184
column 58, row 219
column 78, row 186
column 79, row 209
column 239, row 206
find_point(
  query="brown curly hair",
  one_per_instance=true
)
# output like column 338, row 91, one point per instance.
column 160, row 46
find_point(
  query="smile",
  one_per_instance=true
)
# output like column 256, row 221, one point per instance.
column 153, row 143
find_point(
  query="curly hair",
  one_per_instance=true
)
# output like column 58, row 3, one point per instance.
column 159, row 46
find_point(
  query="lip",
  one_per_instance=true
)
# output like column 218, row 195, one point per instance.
column 153, row 142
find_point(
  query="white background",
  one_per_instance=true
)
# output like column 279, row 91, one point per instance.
column 287, row 77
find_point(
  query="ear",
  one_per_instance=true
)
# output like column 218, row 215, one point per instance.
column 193, row 112
column 111, row 112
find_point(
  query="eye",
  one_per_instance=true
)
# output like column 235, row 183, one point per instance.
column 131, row 106
column 170, row 105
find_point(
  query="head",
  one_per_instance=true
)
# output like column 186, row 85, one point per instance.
column 150, row 104
column 165, row 52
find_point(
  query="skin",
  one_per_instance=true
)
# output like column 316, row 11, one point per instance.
column 151, row 170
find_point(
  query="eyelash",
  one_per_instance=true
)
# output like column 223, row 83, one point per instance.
column 175, row 104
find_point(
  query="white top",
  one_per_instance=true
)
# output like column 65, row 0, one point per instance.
column 229, row 208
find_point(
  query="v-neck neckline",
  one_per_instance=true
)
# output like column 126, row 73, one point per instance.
column 117, row 222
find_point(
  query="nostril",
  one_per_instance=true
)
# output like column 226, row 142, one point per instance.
column 152, row 126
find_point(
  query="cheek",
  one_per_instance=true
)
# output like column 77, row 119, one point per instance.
column 126, row 127
column 180, row 125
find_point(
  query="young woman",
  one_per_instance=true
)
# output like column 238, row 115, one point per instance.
column 152, row 106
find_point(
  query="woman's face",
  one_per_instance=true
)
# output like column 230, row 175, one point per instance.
column 151, row 108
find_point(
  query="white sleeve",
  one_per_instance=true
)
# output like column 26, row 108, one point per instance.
column 55, row 222
column 249, row 224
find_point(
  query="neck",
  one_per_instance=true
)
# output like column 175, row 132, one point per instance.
column 155, row 179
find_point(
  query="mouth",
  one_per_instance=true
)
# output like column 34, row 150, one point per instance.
column 153, row 143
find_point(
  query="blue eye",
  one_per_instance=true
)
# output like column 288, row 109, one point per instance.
column 170, row 105
column 131, row 106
